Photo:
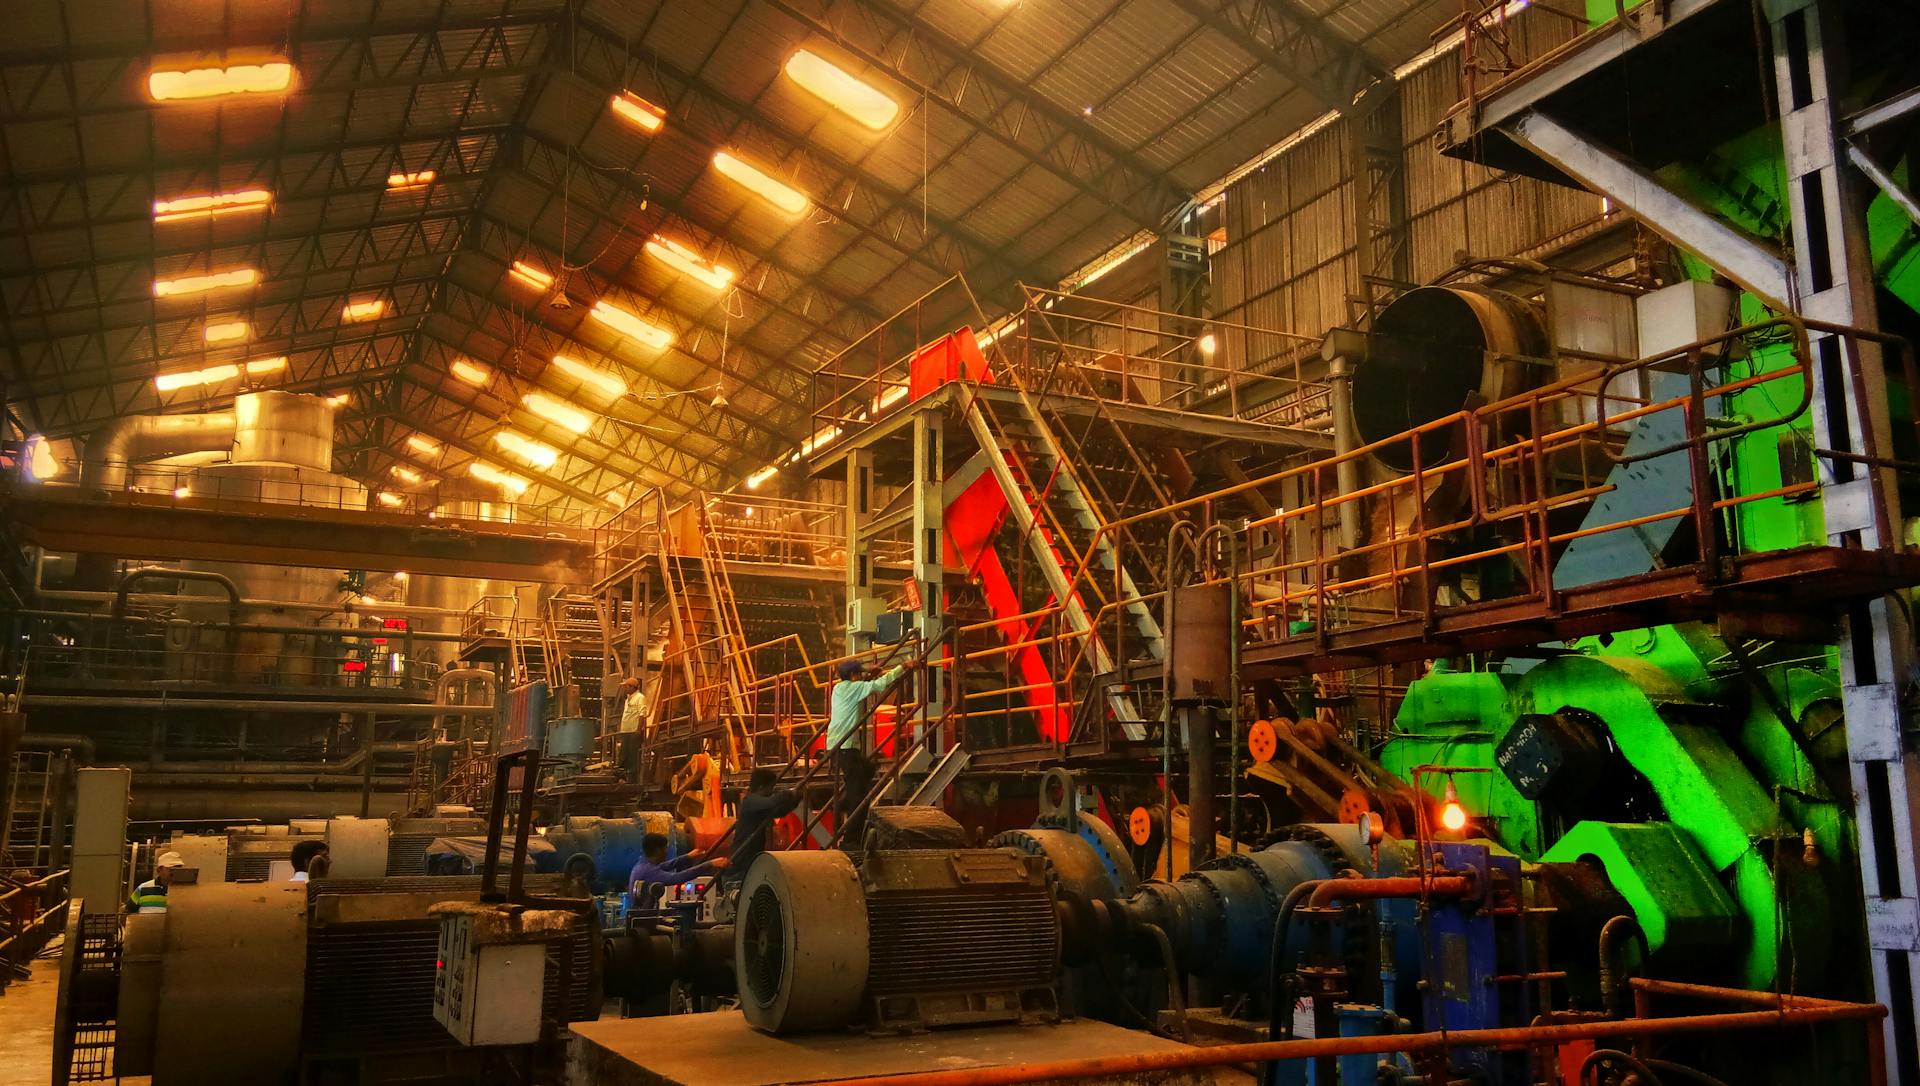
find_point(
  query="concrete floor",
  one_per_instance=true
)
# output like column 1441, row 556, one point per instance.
column 26, row 1026
column 719, row 1049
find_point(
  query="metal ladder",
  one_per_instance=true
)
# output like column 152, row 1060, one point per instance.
column 1057, row 517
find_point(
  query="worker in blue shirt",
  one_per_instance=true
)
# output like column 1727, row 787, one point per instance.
column 654, row 872
column 847, row 710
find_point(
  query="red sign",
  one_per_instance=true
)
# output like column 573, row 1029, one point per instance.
column 353, row 665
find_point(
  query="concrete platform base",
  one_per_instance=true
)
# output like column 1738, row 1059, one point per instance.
column 720, row 1049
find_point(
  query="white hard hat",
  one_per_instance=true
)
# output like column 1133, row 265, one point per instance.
column 169, row 859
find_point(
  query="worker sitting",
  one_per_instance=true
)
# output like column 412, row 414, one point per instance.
column 655, row 872
column 765, row 801
column 847, row 710
column 151, row 895
column 311, row 859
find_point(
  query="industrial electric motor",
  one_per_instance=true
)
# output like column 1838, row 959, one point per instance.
column 909, row 938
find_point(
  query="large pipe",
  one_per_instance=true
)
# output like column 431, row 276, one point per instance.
column 402, row 708
column 1346, row 438
column 322, row 767
column 81, row 745
column 147, row 573
column 1789, row 1011
column 255, row 627
column 115, row 447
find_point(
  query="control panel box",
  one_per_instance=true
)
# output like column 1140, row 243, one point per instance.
column 487, row 993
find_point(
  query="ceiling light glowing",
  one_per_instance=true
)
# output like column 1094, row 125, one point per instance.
column 182, row 208
column 423, row 445
column 608, row 385
column 558, row 412
column 405, row 474
column 1208, row 344
column 533, row 452
column 759, row 478
column 270, row 78
column 410, row 180
column 842, row 89
column 182, row 491
column 39, row 459
column 689, row 263
column 761, row 184
column 391, row 500
column 213, row 375
column 505, row 480
column 472, row 373
column 200, row 284
column 227, row 332
column 530, row 275
column 638, row 111
column 644, row 332
column 370, row 310
column 340, row 399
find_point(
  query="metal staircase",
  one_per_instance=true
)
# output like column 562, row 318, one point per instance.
column 26, row 834
column 703, row 642
column 1057, row 516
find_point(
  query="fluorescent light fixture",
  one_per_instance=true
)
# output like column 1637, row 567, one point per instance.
column 606, row 383
column 370, row 310
column 391, row 500
column 340, row 399
column 558, row 412
column 183, row 208
column 227, row 332
column 405, row 474
column 646, row 333
column 179, row 86
column 410, row 180
column 760, row 183
column 200, row 284
column 842, row 89
column 423, row 445
column 759, row 478
column 505, row 480
column 689, row 263
column 213, row 375
column 533, row 452
column 638, row 112
column 890, row 397
column 472, row 373
column 530, row 275
column 820, row 438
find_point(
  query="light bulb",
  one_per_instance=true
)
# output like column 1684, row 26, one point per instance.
column 1453, row 817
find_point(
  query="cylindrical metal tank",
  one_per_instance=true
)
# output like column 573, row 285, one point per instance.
column 1436, row 350
column 283, row 428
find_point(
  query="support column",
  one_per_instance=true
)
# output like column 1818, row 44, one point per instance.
column 859, row 551
column 1832, row 279
column 929, row 558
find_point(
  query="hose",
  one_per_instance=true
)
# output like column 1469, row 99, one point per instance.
column 1603, row 1055
column 1174, row 995
column 1691, row 1073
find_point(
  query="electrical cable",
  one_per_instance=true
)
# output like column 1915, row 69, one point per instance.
column 1603, row 1055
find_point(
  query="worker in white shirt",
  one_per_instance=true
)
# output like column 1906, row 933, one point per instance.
column 311, row 859
column 633, row 721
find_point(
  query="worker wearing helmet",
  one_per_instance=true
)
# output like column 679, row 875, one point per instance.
column 847, row 710
column 151, row 895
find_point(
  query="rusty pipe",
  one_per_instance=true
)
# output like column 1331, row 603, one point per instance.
column 1263, row 1051
column 1332, row 890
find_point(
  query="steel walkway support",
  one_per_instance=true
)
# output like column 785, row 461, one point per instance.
column 1832, row 280
column 1744, row 259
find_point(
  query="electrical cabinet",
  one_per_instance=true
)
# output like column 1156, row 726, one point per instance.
column 487, row 993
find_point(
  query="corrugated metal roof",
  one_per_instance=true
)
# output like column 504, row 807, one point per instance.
column 1030, row 138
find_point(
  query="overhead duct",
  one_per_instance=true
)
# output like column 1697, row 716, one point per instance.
column 137, row 439
column 1437, row 350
